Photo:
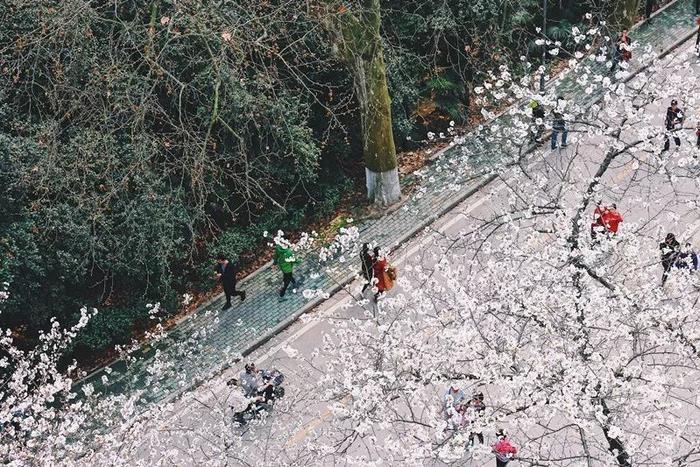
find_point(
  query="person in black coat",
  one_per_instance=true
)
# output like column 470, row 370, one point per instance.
column 674, row 121
column 226, row 273
column 670, row 249
column 367, row 261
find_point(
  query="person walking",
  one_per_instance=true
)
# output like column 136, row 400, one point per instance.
column 504, row 450
column 622, row 51
column 670, row 249
column 379, row 267
column 674, row 122
column 366, row 262
column 455, row 400
column 285, row 259
column 538, row 117
column 226, row 274
column 559, row 124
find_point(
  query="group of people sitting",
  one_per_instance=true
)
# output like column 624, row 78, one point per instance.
column 376, row 270
column 258, row 389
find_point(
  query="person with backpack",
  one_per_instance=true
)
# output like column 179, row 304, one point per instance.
column 226, row 274
column 670, row 249
column 674, row 122
column 285, row 259
column 366, row 262
column 504, row 450
column 384, row 274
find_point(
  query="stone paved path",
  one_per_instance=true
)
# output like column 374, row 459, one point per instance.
column 209, row 340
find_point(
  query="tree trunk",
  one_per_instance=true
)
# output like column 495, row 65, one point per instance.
column 362, row 48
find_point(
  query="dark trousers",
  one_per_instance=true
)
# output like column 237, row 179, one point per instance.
column 368, row 280
column 667, row 142
column 501, row 463
column 267, row 393
column 230, row 291
column 666, row 264
column 697, row 7
column 287, row 278
column 555, row 134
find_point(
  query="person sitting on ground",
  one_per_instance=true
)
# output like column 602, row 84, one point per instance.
column 241, row 404
column 687, row 258
column 253, row 385
column 504, row 450
column 670, row 248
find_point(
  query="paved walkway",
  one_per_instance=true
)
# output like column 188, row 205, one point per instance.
column 209, row 340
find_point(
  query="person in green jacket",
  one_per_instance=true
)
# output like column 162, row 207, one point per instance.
column 284, row 258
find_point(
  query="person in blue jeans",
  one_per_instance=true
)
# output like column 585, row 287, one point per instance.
column 559, row 124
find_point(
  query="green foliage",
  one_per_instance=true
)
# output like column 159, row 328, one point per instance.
column 112, row 326
column 137, row 139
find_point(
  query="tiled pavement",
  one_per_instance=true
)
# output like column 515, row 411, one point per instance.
column 208, row 340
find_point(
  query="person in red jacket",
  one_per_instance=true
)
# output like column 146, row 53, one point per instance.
column 611, row 219
column 378, row 268
column 503, row 449
column 606, row 219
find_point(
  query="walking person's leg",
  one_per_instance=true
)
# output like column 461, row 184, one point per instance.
column 367, row 283
column 664, row 276
column 286, row 279
column 677, row 140
column 555, row 135
column 667, row 142
column 239, row 293
column 227, row 293
column 564, row 135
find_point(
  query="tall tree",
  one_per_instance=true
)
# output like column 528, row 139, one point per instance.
column 356, row 35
